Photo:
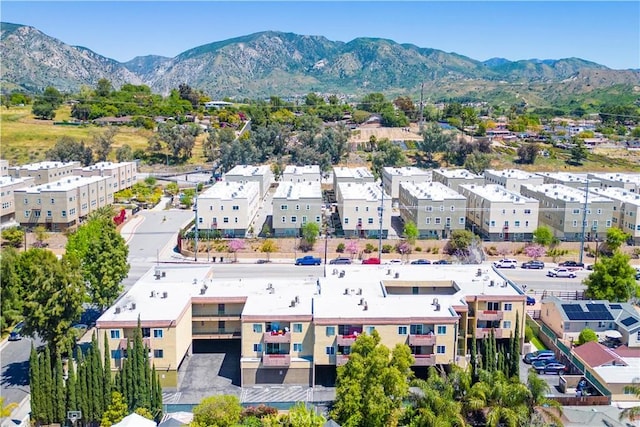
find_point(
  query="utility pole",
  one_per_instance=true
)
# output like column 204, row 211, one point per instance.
column 584, row 221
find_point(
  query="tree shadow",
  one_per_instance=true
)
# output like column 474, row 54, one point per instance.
column 16, row 374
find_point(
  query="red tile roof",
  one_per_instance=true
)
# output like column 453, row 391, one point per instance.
column 595, row 354
column 624, row 351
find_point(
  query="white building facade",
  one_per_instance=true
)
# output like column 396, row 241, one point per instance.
column 392, row 177
column 359, row 206
column 626, row 210
column 228, row 207
column 511, row 179
column 250, row 173
column 124, row 173
column 44, row 172
column 8, row 186
column 294, row 205
column 307, row 173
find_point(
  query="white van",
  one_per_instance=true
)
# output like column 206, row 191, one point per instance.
column 506, row 263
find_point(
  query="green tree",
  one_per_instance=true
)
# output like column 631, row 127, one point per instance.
column 268, row 247
column 310, row 232
column 11, row 298
column 434, row 140
column 578, row 152
column 116, row 411
column 539, row 402
column 103, row 142
column 172, row 188
column 43, row 111
column 411, row 232
column 527, row 153
column 438, row 403
column 59, row 396
column 587, row 335
column 387, row 155
column 220, row 411
column 460, row 242
column 124, row 153
column 70, row 386
column 67, row 149
column 372, row 385
column 633, row 412
column 41, row 235
column 615, row 238
column 543, row 236
column 300, row 415
column 35, row 385
column 477, row 162
column 14, row 236
column 103, row 88
column 612, row 279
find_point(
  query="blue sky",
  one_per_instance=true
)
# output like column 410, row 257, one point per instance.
column 604, row 32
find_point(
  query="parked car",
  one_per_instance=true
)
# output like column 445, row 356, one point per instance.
column 538, row 355
column 371, row 261
column 442, row 262
column 553, row 368
column 394, row 261
column 571, row 264
column 308, row 260
column 540, row 364
column 16, row 332
column 533, row 264
column 421, row 261
column 340, row 260
column 506, row 263
column 531, row 300
column 561, row 272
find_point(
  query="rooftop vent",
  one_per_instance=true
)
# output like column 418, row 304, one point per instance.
column 365, row 306
column 359, row 291
column 195, row 281
column 153, row 294
column 492, row 283
column 297, row 299
column 437, row 307
column 396, row 275
column 293, row 303
column 361, row 301
column 346, row 291
column 341, row 274
column 202, row 291
column 272, row 290
column 165, row 294
column 117, row 310
column 133, row 306
column 435, row 301
column 269, row 286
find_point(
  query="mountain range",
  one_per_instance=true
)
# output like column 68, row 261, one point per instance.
column 287, row 64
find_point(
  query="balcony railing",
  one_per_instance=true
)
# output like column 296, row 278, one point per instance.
column 490, row 315
column 486, row 332
column 346, row 340
column 341, row 359
column 276, row 359
column 424, row 359
column 419, row 340
column 277, row 338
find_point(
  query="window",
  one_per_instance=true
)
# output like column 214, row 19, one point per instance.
column 200, row 220
column 158, row 333
column 39, row 201
column 429, row 208
column 235, row 220
column 53, row 202
column 506, row 324
column 146, row 332
column 357, row 208
column 442, row 208
column 235, row 208
column 461, row 220
column 297, row 327
column 415, row 290
column 297, row 346
column 428, row 221
column 308, row 207
column 115, row 334
column 493, row 306
column 346, row 220
column 595, row 223
column 437, row 220
column 318, row 218
column 284, row 207
column 36, row 214
column 493, row 223
column 599, row 211
column 527, row 211
column 507, row 306
column 506, row 223
column 517, row 223
column 402, row 330
column 284, row 219
column 297, row 207
column 115, row 354
column 440, row 349
column 304, row 219
column 609, row 224
column 330, row 331
column 26, row 201
column 369, row 220
column 453, row 208
column 575, row 223
column 294, row 218
column 576, row 211
column 257, row 348
column 442, row 330
column 370, row 329
column 225, row 219
column 158, row 353
column 257, row 327
column 49, row 214
column 330, row 350
column 221, row 308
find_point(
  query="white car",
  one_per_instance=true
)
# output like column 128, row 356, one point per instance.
column 506, row 263
column 561, row 272
column 394, row 261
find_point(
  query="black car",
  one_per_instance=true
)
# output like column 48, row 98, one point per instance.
column 442, row 262
column 573, row 264
column 533, row 264
column 341, row 260
column 421, row 261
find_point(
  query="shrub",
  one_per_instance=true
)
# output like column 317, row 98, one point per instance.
column 417, row 249
column 528, row 333
column 340, row 248
column 305, row 245
column 369, row 248
column 435, row 251
column 491, row 251
column 386, row 248
column 428, row 250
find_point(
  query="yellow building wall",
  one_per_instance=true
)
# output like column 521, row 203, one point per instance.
column 322, row 341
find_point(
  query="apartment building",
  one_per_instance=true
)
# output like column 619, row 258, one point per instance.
column 626, row 209
column 307, row 173
column 511, row 179
column 124, row 173
column 562, row 209
column 628, row 181
column 570, row 179
column 250, row 173
column 359, row 207
column 499, row 214
column 228, row 207
column 299, row 330
column 44, row 172
column 8, row 186
column 294, row 205
column 453, row 178
column 392, row 177
column 356, row 175
column 435, row 208
column 63, row 204
column 4, row 167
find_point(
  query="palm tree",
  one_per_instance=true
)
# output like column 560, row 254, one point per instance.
column 632, row 413
column 437, row 405
column 548, row 408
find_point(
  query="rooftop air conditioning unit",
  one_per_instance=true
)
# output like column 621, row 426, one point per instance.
column 346, row 291
column 437, row 307
column 435, row 301
column 202, row 291
column 293, row 303
column 272, row 290
column 492, row 283
column 133, row 306
column 165, row 294
column 117, row 310
column 359, row 291
column 341, row 274
column 396, row 275
column 365, row 306
column 361, row 301
column 297, row 299
column 153, row 294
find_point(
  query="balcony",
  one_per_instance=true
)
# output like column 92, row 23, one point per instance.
column 341, row 359
column 490, row 315
column 424, row 359
column 346, row 340
column 276, row 359
column 482, row 333
column 419, row 340
column 277, row 337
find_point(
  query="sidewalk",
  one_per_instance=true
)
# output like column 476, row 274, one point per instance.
column 20, row 415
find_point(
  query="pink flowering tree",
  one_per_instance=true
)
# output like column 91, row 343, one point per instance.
column 352, row 247
column 535, row 251
column 234, row 246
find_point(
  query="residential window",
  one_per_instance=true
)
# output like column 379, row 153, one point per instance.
column 297, row 207
column 575, row 223
column 453, row 208
column 402, row 330
column 27, row 213
column 115, row 354
column 284, row 207
column 599, row 211
column 297, row 327
column 257, row 348
column 442, row 330
column 318, row 218
column 53, row 201
column 506, row 324
column 225, row 219
column 427, row 221
column 461, row 220
column 26, row 201
column 294, row 219
column 284, row 219
column 158, row 353
column 257, row 327
column 493, row 306
column 506, row 223
column 330, row 331
column 235, row 220
column 493, row 223
column 508, row 306
column 346, row 220
column 146, row 332
column 438, row 220
column 517, row 223
column 235, row 208
column 442, row 208
column 527, row 211
column 595, row 223
column 36, row 214
column 370, row 329
column 158, row 333
column 39, row 201
column 370, row 221
column 429, row 208
column 330, row 350
column 115, row 334
column 297, row 346
column 304, row 219
column 200, row 220
column 441, row 349
column 609, row 224
column 576, row 211
column 49, row 214
column 308, row 207
column 357, row 208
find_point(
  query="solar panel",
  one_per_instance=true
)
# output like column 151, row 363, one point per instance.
column 572, row 308
column 629, row 321
column 615, row 307
column 596, row 307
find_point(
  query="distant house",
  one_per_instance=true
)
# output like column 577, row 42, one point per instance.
column 116, row 121
column 216, row 104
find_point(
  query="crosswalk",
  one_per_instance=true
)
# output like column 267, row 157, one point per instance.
column 171, row 398
column 274, row 393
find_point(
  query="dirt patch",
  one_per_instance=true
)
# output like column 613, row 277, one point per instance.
column 364, row 133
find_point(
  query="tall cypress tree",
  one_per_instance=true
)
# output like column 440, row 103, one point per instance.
column 82, row 387
column 138, row 368
column 129, row 376
column 35, row 384
column 107, row 382
column 148, row 391
column 47, row 390
column 474, row 360
column 97, row 373
column 59, row 393
column 515, row 349
column 157, row 394
column 70, row 388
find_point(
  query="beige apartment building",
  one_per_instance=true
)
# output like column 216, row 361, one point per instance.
column 359, row 206
column 124, row 173
column 4, row 167
column 627, row 181
column 63, row 204
column 355, row 175
column 299, row 330
column 454, row 178
column 250, row 173
column 511, row 179
column 392, row 177
column 228, row 207
column 499, row 214
column 562, row 209
column 307, row 173
column 8, row 186
column 626, row 209
column 436, row 210
column 44, row 172
column 570, row 179
column 294, row 205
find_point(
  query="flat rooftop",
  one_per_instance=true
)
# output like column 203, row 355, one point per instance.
column 298, row 190
column 497, row 193
column 408, row 171
column 45, row 165
column 617, row 193
column 106, row 166
column 9, row 180
column 301, row 170
column 434, row 191
column 457, row 173
column 249, row 170
column 619, row 177
column 367, row 191
column 353, row 173
column 512, row 173
column 65, row 184
column 567, row 177
column 564, row 192
column 227, row 190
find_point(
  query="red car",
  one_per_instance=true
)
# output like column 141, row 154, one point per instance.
column 371, row 261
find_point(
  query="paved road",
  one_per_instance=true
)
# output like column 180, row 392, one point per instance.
column 537, row 280
column 15, row 370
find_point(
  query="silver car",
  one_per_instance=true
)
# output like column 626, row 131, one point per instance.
column 561, row 272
